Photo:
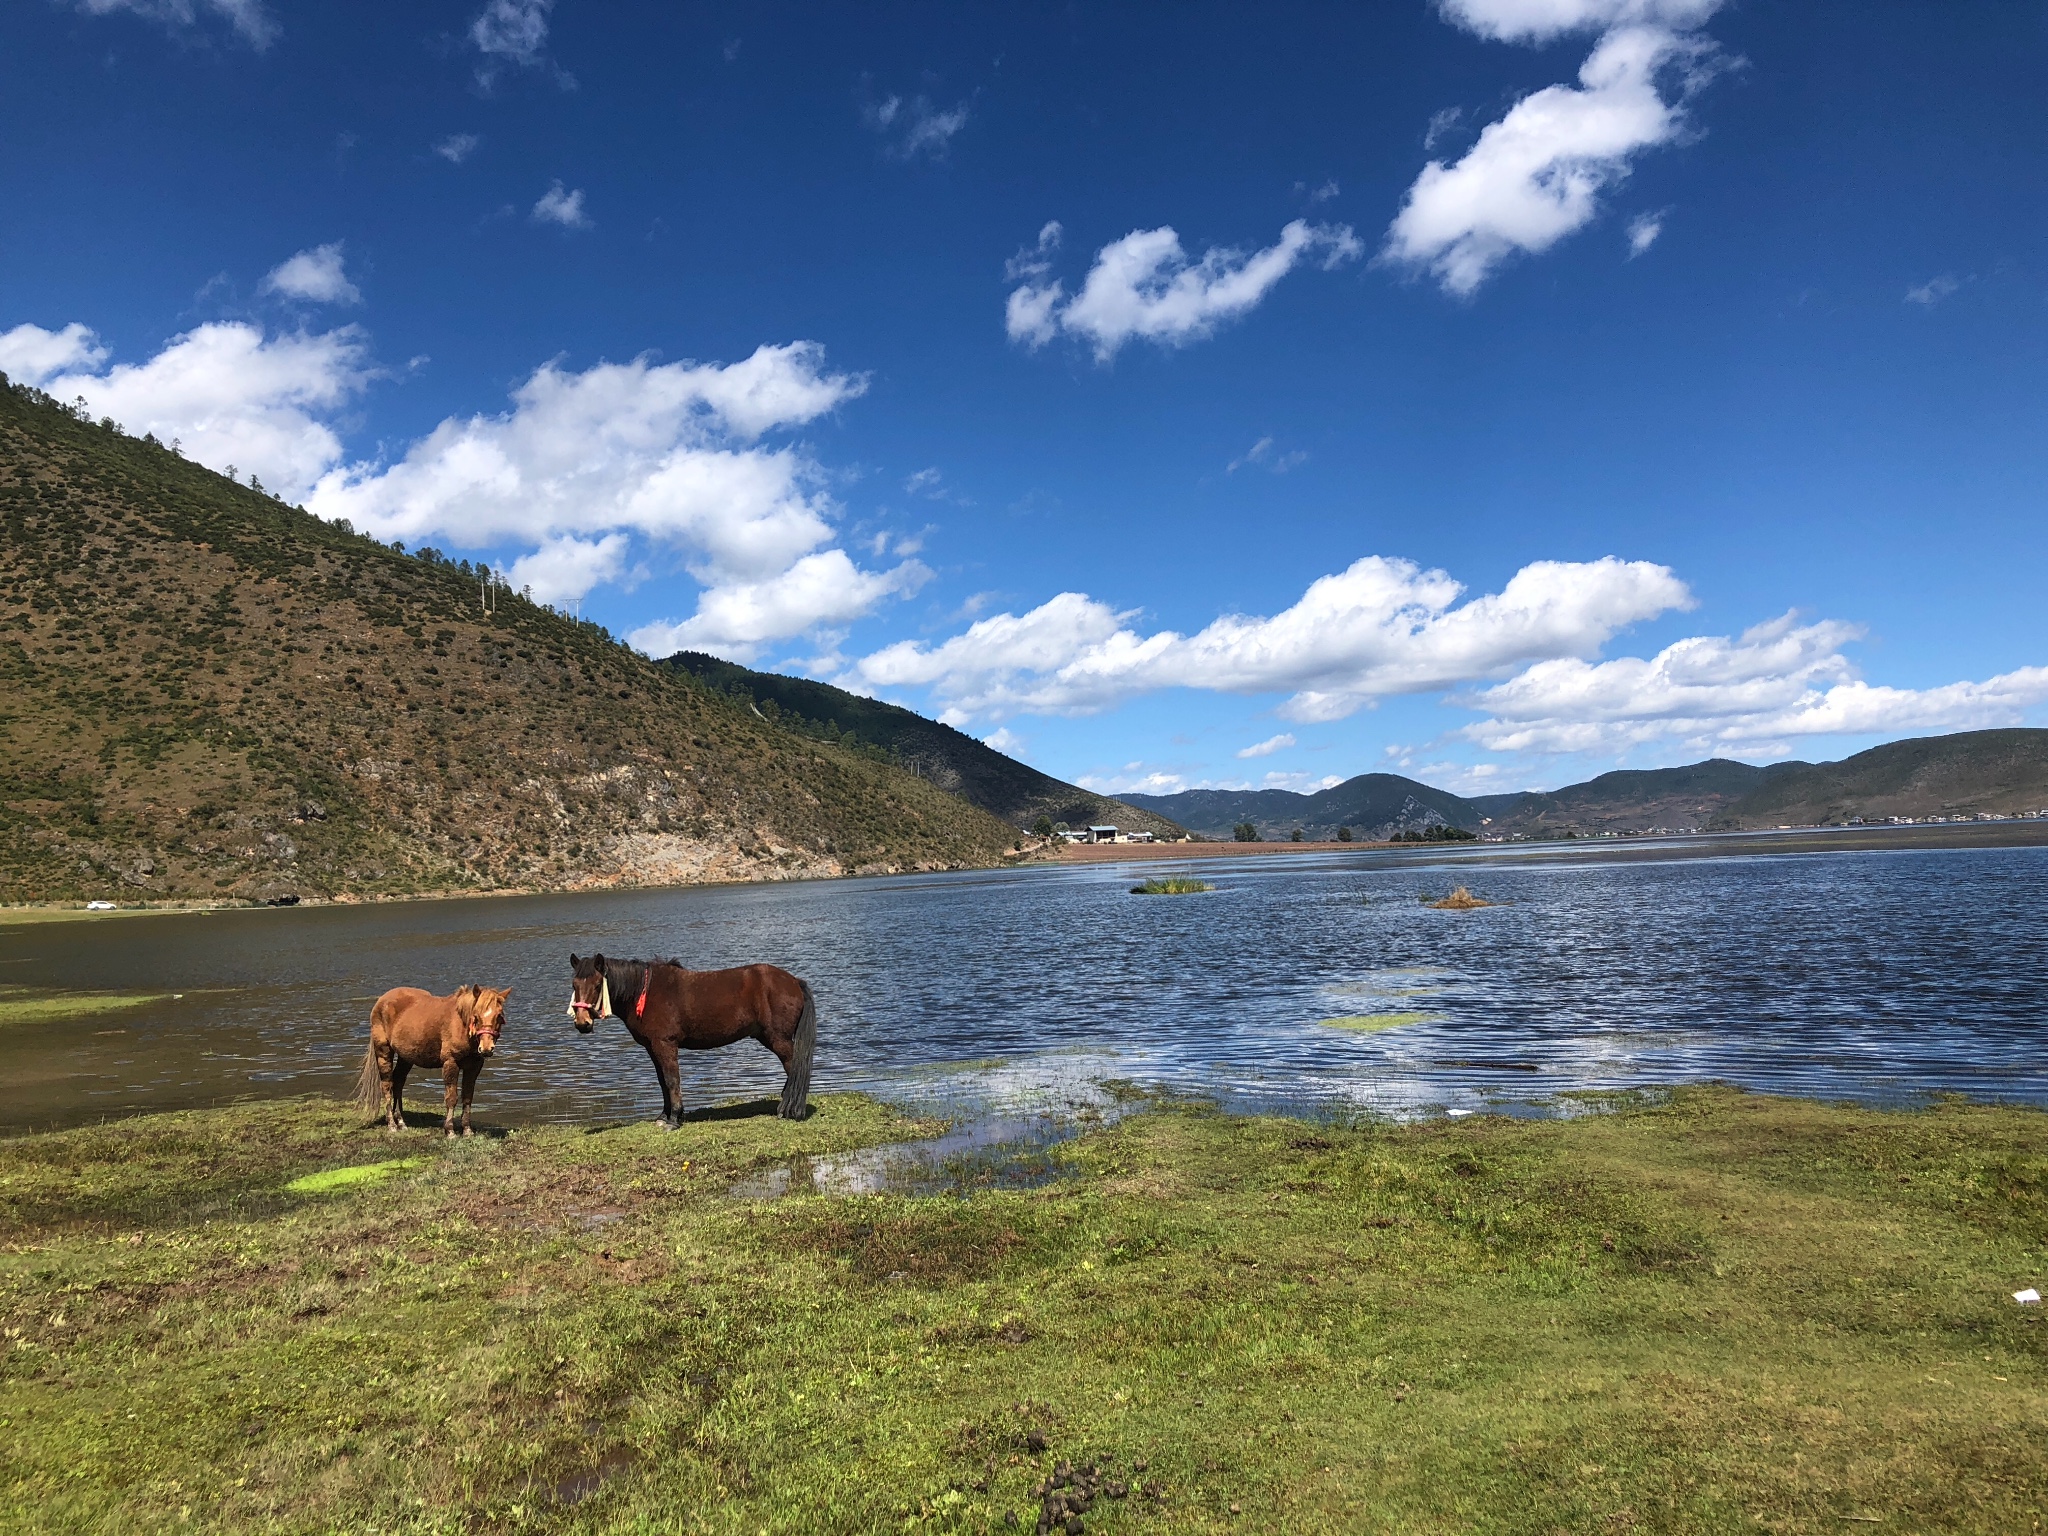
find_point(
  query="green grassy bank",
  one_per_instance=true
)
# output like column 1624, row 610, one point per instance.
column 1726, row 1313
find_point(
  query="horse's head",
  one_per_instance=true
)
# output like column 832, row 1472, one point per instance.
column 590, row 997
column 483, row 1014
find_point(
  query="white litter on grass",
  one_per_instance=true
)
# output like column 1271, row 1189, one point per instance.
column 1457, row 1114
column 2027, row 1298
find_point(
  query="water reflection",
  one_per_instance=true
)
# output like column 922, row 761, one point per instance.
column 1873, row 975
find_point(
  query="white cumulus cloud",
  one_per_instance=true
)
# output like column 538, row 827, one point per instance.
column 256, row 25
column 1536, row 175
column 1380, row 627
column 315, row 275
column 1709, row 694
column 736, row 618
column 1007, row 742
column 227, row 392
column 559, row 206
column 1268, row 747
column 1145, row 286
column 669, row 453
column 29, row 354
column 1540, row 21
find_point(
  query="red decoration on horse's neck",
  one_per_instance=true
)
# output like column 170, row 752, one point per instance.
column 640, row 1007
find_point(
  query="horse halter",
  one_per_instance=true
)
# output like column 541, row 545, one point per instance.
column 601, row 1009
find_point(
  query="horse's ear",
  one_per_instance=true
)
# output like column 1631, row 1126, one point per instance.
column 504, row 993
column 597, row 964
column 574, row 961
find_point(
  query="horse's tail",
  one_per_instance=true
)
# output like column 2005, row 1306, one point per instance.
column 369, row 1092
column 796, row 1089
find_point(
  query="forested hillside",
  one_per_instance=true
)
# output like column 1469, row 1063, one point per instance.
column 951, row 759
column 207, row 693
column 1374, row 806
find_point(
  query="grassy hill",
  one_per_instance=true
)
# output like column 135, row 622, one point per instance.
column 953, row 760
column 207, row 693
column 1373, row 805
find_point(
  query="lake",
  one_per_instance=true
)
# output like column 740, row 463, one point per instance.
column 1869, row 973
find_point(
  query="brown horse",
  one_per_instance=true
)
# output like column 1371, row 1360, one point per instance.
column 667, row 1007
column 410, row 1028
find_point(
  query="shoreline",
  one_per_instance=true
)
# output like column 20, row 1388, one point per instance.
column 1950, row 835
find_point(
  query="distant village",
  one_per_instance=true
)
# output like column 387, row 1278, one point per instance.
column 1105, row 833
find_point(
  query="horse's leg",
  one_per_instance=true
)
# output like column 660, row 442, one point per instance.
column 663, row 1054
column 451, row 1085
column 469, row 1072
column 399, row 1068
column 384, row 1056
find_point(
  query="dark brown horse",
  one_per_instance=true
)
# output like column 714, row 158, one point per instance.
column 668, row 1008
column 410, row 1028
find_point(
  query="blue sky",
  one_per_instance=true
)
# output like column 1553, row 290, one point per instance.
column 1497, row 391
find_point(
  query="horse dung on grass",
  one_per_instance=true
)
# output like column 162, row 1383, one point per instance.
column 668, row 1007
column 411, row 1028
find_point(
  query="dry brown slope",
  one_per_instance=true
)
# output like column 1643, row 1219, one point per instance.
column 206, row 693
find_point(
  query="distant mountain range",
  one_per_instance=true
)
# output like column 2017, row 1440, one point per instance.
column 1374, row 806
column 952, row 760
column 1994, row 772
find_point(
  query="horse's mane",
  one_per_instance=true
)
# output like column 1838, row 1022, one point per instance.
column 628, row 978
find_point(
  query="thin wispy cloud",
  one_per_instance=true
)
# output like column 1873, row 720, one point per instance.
column 1035, row 260
column 1267, row 457
column 560, row 206
column 1145, row 287
column 912, row 127
column 1268, row 747
column 458, row 147
column 1643, row 231
column 1933, row 291
column 250, row 19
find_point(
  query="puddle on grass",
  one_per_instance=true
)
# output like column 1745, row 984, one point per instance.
column 579, row 1486
column 997, row 1152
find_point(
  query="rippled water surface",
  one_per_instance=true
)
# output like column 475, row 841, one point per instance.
column 1878, row 975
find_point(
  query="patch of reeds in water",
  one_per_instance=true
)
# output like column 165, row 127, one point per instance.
column 1172, row 885
column 1460, row 900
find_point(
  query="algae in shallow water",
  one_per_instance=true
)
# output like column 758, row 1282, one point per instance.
column 22, row 1005
column 1373, row 1023
column 341, row 1178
